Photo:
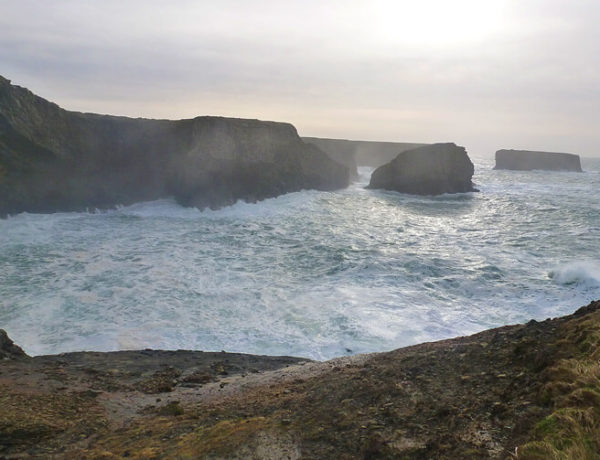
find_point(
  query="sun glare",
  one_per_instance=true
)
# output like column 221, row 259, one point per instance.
column 437, row 23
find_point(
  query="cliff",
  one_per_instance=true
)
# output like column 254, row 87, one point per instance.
column 52, row 159
column 428, row 170
column 529, row 391
column 360, row 153
column 526, row 160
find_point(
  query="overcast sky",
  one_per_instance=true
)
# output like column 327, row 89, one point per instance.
column 485, row 74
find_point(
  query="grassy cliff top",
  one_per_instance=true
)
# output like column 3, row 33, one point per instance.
column 528, row 391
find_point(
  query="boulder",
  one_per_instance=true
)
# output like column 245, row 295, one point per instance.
column 527, row 160
column 429, row 170
column 52, row 159
column 8, row 350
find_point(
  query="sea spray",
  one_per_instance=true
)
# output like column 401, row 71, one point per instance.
column 584, row 273
column 309, row 273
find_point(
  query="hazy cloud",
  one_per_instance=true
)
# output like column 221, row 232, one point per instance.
column 485, row 74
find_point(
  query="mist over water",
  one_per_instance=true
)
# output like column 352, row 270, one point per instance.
column 315, row 274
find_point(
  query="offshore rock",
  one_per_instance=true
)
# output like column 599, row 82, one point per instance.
column 52, row 159
column 527, row 160
column 429, row 170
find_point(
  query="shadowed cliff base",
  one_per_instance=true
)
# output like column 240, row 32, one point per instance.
column 55, row 160
column 529, row 391
column 526, row 160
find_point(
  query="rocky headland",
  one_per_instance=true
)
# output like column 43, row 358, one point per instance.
column 529, row 391
column 360, row 153
column 429, row 170
column 52, row 159
column 526, row 160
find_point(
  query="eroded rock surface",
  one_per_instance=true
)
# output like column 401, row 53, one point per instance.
column 428, row 170
column 53, row 159
column 8, row 350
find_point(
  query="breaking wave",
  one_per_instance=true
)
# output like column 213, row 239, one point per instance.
column 315, row 274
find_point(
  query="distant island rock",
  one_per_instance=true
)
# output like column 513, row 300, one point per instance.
column 52, row 159
column 353, row 153
column 429, row 170
column 527, row 160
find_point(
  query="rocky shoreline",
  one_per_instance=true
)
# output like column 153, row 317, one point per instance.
column 528, row 391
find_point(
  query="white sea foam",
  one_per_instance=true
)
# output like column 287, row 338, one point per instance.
column 586, row 273
column 309, row 273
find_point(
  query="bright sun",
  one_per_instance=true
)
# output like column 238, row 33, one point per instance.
column 437, row 23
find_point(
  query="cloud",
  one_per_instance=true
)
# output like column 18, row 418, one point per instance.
column 481, row 73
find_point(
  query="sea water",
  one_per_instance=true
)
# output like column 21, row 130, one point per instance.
column 313, row 274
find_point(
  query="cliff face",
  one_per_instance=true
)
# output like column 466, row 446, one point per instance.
column 428, row 170
column 52, row 159
column 526, row 160
column 339, row 150
column 360, row 153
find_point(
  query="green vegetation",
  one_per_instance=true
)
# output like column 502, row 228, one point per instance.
column 572, row 388
column 535, row 386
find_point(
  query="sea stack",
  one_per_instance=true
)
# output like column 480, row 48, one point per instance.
column 429, row 170
column 527, row 160
column 52, row 159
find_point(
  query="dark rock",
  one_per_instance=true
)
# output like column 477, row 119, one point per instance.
column 428, row 170
column 338, row 150
column 197, row 378
column 162, row 381
column 172, row 408
column 8, row 350
column 360, row 153
column 526, row 160
column 52, row 159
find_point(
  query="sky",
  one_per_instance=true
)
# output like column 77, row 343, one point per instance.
column 485, row 74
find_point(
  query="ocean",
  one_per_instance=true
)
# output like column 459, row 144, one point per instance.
column 313, row 274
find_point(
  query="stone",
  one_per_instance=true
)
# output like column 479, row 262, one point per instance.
column 8, row 349
column 527, row 160
column 354, row 153
column 53, row 160
column 428, row 170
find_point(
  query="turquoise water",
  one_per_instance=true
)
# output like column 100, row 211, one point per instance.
column 315, row 274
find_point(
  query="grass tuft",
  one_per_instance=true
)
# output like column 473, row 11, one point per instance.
column 572, row 431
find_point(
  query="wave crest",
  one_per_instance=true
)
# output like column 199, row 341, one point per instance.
column 584, row 272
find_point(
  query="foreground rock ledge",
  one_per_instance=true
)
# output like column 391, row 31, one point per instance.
column 533, row 389
column 527, row 160
column 429, row 170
